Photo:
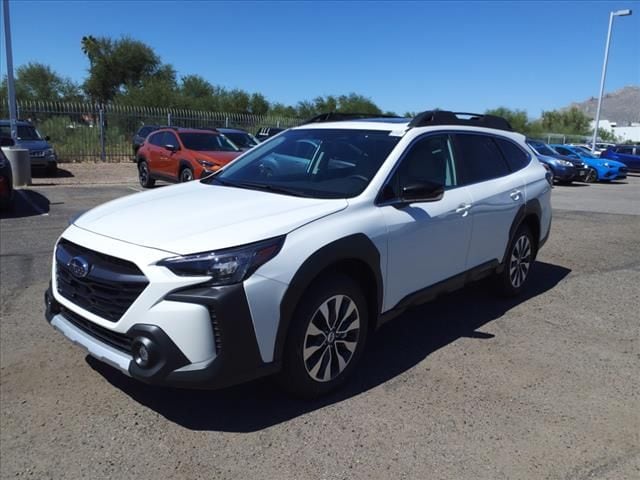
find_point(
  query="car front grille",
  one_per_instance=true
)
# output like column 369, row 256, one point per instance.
column 37, row 154
column 623, row 169
column 119, row 341
column 108, row 287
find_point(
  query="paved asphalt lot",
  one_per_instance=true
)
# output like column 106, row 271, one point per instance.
column 467, row 387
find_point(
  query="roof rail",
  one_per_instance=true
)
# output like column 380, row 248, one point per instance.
column 339, row 117
column 444, row 117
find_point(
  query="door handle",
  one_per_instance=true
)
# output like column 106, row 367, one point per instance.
column 515, row 195
column 464, row 209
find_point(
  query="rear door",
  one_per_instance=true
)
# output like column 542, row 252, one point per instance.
column 496, row 195
column 154, row 150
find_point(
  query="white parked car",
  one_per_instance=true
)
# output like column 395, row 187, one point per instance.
column 288, row 259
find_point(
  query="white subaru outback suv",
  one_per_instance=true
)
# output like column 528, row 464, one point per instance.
column 288, row 258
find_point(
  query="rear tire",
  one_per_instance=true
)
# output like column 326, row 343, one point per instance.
column 326, row 337
column 518, row 263
column 144, row 176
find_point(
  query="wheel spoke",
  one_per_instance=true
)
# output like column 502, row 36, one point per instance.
column 331, row 338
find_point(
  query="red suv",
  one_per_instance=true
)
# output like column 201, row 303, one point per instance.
column 182, row 154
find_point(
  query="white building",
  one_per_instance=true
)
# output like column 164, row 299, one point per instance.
column 623, row 133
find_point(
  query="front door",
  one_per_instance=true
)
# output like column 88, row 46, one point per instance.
column 427, row 241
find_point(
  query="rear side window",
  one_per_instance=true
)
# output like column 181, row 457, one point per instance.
column 625, row 150
column 515, row 156
column 480, row 158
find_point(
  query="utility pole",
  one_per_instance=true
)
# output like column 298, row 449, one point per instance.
column 11, row 88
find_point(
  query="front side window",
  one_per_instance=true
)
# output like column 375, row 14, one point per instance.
column 625, row 150
column 169, row 139
column 428, row 160
column 207, row 142
column 320, row 163
column 480, row 158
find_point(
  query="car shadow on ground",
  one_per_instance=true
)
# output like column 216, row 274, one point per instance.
column 61, row 173
column 394, row 349
column 26, row 203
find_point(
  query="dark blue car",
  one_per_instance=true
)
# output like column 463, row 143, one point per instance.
column 564, row 169
column 627, row 154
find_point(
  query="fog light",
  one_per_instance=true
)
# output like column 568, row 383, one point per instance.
column 143, row 352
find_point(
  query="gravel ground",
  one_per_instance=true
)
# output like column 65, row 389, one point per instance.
column 467, row 387
column 88, row 174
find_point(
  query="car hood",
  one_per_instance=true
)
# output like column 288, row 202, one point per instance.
column 197, row 217
column 218, row 157
column 32, row 145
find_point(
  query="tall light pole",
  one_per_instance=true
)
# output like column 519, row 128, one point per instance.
column 617, row 13
column 11, row 89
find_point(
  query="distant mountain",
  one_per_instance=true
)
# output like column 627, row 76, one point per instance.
column 621, row 106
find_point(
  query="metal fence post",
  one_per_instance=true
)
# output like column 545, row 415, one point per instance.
column 103, row 151
column 169, row 119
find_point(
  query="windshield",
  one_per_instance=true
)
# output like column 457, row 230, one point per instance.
column 319, row 163
column 207, row 142
column 542, row 148
column 585, row 152
column 25, row 132
column 242, row 140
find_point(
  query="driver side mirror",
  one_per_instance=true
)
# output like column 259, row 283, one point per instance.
column 422, row 192
column 171, row 148
column 47, row 138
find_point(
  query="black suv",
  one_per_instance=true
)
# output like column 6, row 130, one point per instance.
column 141, row 134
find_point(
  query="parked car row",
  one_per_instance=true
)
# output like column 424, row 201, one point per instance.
column 569, row 163
column 241, row 138
column 41, row 152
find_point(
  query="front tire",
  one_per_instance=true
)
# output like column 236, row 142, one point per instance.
column 592, row 176
column 186, row 175
column 518, row 262
column 326, row 338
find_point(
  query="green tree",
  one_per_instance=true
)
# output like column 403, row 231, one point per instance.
column 116, row 64
column 258, row 104
column 36, row 81
column 517, row 118
column 571, row 121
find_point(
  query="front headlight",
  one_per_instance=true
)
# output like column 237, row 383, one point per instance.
column 565, row 163
column 207, row 164
column 49, row 151
column 606, row 164
column 227, row 266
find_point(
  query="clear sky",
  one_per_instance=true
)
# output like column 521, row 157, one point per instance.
column 405, row 56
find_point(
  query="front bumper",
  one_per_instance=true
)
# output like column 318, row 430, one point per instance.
column 236, row 359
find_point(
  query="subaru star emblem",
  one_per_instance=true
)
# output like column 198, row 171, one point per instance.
column 79, row 267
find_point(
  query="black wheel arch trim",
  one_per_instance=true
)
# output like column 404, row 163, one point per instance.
column 531, row 208
column 357, row 247
column 184, row 164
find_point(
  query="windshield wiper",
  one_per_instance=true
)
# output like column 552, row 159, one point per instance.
column 269, row 188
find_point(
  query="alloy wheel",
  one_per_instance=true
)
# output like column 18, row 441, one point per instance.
column 331, row 338
column 520, row 261
column 186, row 175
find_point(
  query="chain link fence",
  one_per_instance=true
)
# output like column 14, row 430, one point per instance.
column 89, row 132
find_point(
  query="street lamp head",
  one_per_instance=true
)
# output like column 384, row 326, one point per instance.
column 621, row 13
